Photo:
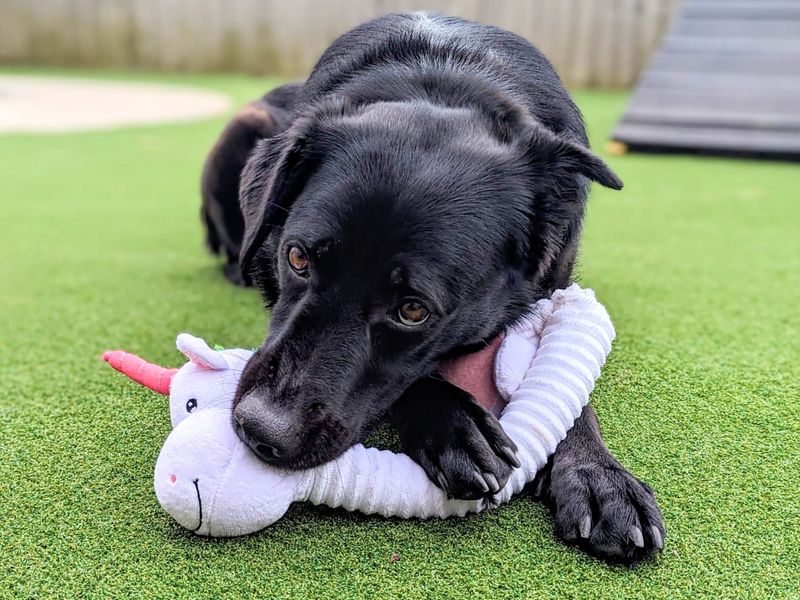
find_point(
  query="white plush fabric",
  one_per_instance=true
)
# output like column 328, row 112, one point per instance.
column 211, row 483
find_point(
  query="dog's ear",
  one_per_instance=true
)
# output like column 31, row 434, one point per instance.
column 277, row 171
column 273, row 177
column 552, row 163
column 548, row 152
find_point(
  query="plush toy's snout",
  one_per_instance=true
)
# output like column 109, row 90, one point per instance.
column 183, row 491
column 205, row 477
column 230, row 491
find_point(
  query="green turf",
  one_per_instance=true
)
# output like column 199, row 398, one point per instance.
column 698, row 261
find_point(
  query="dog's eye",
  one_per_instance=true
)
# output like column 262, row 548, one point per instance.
column 412, row 313
column 191, row 404
column 298, row 260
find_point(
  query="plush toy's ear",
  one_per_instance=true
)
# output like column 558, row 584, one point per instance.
column 197, row 351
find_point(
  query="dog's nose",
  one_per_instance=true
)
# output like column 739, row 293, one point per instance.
column 267, row 429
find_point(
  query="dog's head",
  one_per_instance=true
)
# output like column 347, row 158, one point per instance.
column 387, row 237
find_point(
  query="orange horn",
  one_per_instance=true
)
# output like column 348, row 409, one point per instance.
column 149, row 375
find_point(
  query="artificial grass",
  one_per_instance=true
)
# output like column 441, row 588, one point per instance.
column 697, row 260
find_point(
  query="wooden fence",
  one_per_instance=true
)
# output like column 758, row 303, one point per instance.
column 597, row 43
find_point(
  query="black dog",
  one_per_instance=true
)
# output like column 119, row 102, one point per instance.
column 405, row 205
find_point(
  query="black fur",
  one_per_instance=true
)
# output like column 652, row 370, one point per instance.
column 460, row 445
column 440, row 160
column 219, row 184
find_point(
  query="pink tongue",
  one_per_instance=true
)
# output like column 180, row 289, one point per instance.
column 474, row 373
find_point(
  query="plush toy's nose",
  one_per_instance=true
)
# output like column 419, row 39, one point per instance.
column 270, row 431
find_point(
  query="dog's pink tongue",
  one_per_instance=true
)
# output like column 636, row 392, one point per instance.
column 474, row 373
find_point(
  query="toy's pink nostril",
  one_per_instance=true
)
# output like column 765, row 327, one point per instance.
column 173, row 478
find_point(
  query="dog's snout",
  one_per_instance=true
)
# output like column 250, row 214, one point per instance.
column 271, row 432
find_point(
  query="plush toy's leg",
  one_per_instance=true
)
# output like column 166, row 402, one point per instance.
column 595, row 501
column 461, row 446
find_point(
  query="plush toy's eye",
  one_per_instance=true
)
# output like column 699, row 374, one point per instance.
column 191, row 404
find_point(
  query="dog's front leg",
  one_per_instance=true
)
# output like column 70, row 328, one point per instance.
column 595, row 501
column 461, row 446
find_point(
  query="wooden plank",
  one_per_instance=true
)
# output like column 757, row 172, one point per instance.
column 709, row 138
column 50, row 44
column 752, row 118
column 763, row 9
column 786, row 65
column 239, row 38
column 85, row 42
column 15, row 42
column 626, row 40
column 602, row 51
column 168, row 31
column 207, row 27
column 543, row 17
column 656, row 16
column 738, row 28
column 605, row 42
column 114, row 32
column 144, row 23
column 723, row 81
column 648, row 27
column 565, row 33
column 739, row 2
column 583, row 50
column 742, row 45
column 765, row 101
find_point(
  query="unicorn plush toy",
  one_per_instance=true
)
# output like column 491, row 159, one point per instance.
column 211, row 483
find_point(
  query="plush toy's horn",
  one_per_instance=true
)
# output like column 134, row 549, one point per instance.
column 152, row 376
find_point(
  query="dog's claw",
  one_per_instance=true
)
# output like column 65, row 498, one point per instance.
column 459, row 444
column 635, row 535
column 510, row 456
column 492, row 501
column 585, row 526
column 623, row 511
column 494, row 486
column 481, row 480
column 658, row 539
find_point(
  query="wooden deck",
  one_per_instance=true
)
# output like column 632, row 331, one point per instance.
column 726, row 80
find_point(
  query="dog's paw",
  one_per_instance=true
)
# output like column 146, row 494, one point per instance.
column 461, row 446
column 472, row 458
column 607, row 511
